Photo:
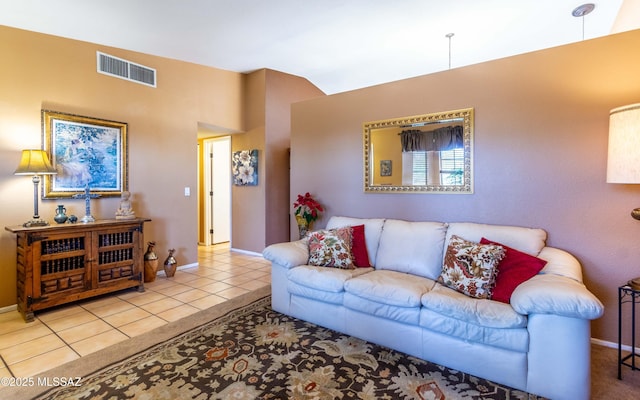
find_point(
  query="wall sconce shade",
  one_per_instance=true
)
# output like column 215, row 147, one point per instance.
column 36, row 163
column 623, row 161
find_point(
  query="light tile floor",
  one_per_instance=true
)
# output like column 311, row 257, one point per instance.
column 71, row 331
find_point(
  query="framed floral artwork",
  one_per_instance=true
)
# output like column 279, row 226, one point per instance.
column 85, row 152
column 245, row 167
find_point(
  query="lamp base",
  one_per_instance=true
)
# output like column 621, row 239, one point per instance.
column 87, row 218
column 35, row 222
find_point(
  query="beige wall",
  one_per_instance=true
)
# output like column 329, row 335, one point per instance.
column 40, row 71
column 43, row 71
column 263, row 210
column 282, row 91
column 541, row 126
column 248, row 202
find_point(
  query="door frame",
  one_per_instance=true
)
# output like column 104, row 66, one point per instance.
column 209, row 177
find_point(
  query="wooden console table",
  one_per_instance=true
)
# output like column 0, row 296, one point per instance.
column 59, row 264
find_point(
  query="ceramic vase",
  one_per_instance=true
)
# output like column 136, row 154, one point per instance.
column 303, row 226
column 170, row 264
column 150, row 263
column 61, row 215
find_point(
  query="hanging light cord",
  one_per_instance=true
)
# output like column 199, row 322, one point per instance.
column 449, row 35
column 582, row 11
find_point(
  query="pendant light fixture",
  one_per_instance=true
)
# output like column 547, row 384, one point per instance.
column 449, row 36
column 581, row 11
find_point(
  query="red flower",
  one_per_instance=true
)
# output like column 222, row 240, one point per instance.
column 307, row 207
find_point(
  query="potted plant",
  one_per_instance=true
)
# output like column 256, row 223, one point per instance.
column 307, row 210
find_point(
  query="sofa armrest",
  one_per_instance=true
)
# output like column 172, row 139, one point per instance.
column 560, row 262
column 288, row 254
column 559, row 295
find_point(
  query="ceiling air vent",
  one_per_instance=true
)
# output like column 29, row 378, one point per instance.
column 119, row 68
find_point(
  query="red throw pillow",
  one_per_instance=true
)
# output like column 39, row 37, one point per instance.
column 515, row 268
column 359, row 247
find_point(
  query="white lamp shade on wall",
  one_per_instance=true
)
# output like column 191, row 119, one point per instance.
column 623, row 161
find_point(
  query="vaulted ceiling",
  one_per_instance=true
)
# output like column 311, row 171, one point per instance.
column 338, row 45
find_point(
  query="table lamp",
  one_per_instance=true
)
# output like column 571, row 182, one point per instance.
column 623, row 161
column 36, row 163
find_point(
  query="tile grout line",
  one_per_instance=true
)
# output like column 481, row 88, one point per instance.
column 247, row 265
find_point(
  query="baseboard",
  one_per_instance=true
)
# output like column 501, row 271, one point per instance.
column 251, row 253
column 195, row 264
column 612, row 345
column 7, row 309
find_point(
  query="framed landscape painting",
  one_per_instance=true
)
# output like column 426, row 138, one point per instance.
column 85, row 152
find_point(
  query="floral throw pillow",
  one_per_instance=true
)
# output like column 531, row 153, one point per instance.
column 470, row 268
column 331, row 248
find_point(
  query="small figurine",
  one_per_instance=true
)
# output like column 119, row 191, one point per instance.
column 125, row 211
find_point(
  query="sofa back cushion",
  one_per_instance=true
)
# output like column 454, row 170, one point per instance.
column 412, row 247
column 372, row 231
column 527, row 240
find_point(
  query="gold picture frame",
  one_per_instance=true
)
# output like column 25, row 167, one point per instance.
column 85, row 151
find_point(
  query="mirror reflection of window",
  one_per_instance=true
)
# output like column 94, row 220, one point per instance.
column 421, row 168
column 452, row 167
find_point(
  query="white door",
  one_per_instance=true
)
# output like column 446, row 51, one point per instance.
column 217, row 168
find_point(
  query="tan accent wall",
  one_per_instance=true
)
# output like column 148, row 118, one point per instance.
column 541, row 128
column 40, row 71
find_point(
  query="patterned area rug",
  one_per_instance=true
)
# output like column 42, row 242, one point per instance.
column 256, row 353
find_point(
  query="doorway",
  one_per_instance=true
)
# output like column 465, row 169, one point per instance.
column 217, row 190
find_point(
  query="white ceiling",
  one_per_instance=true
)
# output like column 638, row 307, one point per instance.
column 338, row 45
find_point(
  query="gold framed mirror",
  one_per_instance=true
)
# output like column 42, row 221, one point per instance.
column 430, row 153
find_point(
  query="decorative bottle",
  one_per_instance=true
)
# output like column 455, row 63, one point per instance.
column 170, row 264
column 150, row 263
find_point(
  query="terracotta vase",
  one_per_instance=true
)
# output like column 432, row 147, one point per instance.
column 150, row 263
column 170, row 264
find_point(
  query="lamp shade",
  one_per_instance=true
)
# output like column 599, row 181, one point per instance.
column 34, row 162
column 623, row 161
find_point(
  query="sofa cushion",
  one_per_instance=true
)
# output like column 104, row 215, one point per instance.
column 527, row 240
column 311, row 293
column 477, row 320
column 412, row 247
column 331, row 248
column 372, row 231
column 390, row 287
column 513, row 339
column 481, row 312
column 515, row 268
column 406, row 315
column 324, row 279
column 359, row 247
column 387, row 294
column 470, row 268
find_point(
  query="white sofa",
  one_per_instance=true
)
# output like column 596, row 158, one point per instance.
column 540, row 343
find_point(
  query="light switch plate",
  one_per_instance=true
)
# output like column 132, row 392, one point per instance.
column 187, row 191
